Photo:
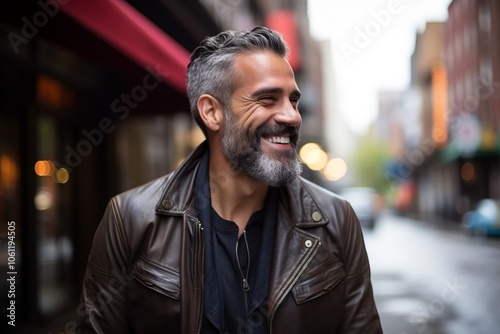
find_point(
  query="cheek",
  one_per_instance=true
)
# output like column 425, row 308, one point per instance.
column 250, row 114
column 257, row 118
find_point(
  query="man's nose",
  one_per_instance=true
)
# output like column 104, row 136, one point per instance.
column 289, row 115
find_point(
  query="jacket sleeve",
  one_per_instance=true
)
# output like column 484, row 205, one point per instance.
column 360, row 314
column 103, row 302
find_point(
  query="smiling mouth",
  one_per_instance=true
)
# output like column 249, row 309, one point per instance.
column 278, row 139
column 279, row 134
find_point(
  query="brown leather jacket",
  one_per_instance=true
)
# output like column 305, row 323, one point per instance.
column 145, row 269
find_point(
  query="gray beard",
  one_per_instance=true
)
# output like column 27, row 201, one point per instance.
column 243, row 151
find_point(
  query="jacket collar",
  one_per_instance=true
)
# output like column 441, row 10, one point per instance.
column 296, row 198
column 177, row 198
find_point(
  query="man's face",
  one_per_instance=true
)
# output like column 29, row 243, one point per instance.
column 261, row 129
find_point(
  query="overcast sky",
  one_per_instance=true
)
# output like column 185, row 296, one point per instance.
column 372, row 42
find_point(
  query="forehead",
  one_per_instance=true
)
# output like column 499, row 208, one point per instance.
column 263, row 68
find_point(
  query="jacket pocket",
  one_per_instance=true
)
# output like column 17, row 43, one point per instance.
column 157, row 278
column 318, row 282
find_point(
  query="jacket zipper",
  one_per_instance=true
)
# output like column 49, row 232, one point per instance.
column 200, row 263
column 289, row 286
column 245, row 294
column 245, row 285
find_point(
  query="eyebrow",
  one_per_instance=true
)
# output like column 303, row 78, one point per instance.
column 274, row 91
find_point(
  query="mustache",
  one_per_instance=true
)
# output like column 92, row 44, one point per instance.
column 277, row 129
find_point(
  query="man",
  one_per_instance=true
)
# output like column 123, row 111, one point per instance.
column 233, row 241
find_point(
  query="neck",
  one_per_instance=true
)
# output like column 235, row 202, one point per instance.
column 234, row 195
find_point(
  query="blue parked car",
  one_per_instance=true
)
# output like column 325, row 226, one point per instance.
column 485, row 220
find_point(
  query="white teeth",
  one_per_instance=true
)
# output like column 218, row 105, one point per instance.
column 279, row 140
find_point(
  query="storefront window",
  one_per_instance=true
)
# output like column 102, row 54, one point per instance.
column 51, row 202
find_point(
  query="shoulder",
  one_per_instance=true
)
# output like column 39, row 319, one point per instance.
column 125, row 222
column 320, row 195
column 141, row 198
column 131, row 211
column 335, row 209
column 306, row 199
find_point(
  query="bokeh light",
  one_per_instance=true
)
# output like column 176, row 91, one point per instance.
column 43, row 200
column 335, row 169
column 313, row 156
column 62, row 175
column 44, row 168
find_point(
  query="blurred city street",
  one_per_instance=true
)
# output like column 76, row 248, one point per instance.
column 434, row 278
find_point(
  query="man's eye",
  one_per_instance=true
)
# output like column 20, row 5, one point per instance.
column 294, row 102
column 267, row 99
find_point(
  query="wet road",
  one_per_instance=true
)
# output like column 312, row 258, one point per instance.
column 434, row 280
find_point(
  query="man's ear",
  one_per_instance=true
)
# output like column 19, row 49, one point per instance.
column 211, row 111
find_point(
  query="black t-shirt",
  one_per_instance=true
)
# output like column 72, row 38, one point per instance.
column 237, row 302
column 223, row 297
column 240, row 311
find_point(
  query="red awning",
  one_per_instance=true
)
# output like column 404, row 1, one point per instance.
column 285, row 22
column 123, row 27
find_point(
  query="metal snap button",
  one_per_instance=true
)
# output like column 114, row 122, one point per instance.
column 316, row 216
column 308, row 243
column 167, row 205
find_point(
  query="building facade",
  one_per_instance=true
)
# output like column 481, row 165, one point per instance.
column 473, row 65
column 455, row 70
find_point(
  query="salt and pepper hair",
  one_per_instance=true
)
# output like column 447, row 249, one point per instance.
column 211, row 71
